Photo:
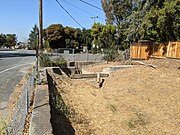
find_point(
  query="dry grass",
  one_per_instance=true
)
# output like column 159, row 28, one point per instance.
column 6, row 114
column 139, row 100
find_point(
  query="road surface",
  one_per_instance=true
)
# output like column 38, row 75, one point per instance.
column 13, row 65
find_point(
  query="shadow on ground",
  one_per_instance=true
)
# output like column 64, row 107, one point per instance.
column 6, row 55
column 60, row 123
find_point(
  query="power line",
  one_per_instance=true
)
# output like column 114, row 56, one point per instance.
column 80, row 9
column 69, row 14
column 77, row 7
column 91, row 4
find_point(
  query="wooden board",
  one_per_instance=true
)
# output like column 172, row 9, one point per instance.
column 178, row 50
column 174, row 50
column 139, row 50
column 80, row 76
column 159, row 49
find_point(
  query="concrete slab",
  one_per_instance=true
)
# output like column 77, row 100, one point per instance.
column 115, row 68
column 40, row 123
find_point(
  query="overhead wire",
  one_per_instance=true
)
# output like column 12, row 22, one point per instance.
column 80, row 9
column 77, row 7
column 69, row 13
column 91, row 5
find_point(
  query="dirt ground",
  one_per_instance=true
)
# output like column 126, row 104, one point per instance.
column 132, row 101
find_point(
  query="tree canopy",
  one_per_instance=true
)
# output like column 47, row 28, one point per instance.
column 104, row 35
column 8, row 40
column 60, row 37
column 55, row 34
column 33, row 37
column 157, row 20
column 71, row 37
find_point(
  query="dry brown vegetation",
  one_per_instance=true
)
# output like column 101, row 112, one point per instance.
column 6, row 115
column 132, row 101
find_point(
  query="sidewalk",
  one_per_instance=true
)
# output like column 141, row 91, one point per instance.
column 40, row 123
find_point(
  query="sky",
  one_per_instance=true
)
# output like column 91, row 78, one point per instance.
column 19, row 16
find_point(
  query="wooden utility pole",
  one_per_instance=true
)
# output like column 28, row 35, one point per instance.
column 40, row 41
column 40, row 26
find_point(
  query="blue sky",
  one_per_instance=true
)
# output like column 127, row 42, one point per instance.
column 19, row 16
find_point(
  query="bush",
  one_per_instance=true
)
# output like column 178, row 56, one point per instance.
column 110, row 54
column 60, row 61
column 44, row 60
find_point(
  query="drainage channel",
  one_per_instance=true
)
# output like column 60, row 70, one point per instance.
column 65, row 119
column 60, row 113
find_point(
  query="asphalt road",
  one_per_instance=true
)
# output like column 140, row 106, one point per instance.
column 13, row 66
column 14, row 63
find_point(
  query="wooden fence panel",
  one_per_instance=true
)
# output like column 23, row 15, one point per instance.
column 178, row 50
column 134, row 51
column 173, row 50
column 144, row 49
column 159, row 49
column 139, row 50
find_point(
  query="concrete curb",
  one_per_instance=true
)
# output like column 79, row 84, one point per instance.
column 40, row 122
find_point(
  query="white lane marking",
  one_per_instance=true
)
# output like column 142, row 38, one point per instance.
column 14, row 67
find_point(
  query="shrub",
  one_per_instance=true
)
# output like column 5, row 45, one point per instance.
column 44, row 60
column 60, row 61
column 110, row 54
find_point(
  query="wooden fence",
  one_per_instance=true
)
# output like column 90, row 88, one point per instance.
column 173, row 50
column 144, row 49
column 159, row 50
column 140, row 50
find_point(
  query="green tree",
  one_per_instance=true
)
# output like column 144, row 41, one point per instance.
column 87, row 38
column 33, row 37
column 2, row 39
column 168, row 21
column 157, row 20
column 11, row 40
column 96, row 32
column 79, row 37
column 107, row 7
column 55, row 35
column 104, row 35
column 108, row 36
column 70, row 37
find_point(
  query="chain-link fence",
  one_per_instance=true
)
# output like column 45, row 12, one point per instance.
column 16, row 126
column 79, row 57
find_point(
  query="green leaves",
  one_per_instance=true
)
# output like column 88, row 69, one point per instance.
column 60, row 37
column 2, row 39
column 107, row 6
column 55, row 34
column 169, row 19
column 157, row 20
column 33, row 37
column 8, row 40
column 104, row 35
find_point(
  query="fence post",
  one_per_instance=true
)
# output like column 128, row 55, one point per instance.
column 168, row 49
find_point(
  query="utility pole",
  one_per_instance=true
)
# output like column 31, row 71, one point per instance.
column 94, row 17
column 40, row 25
column 40, row 41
